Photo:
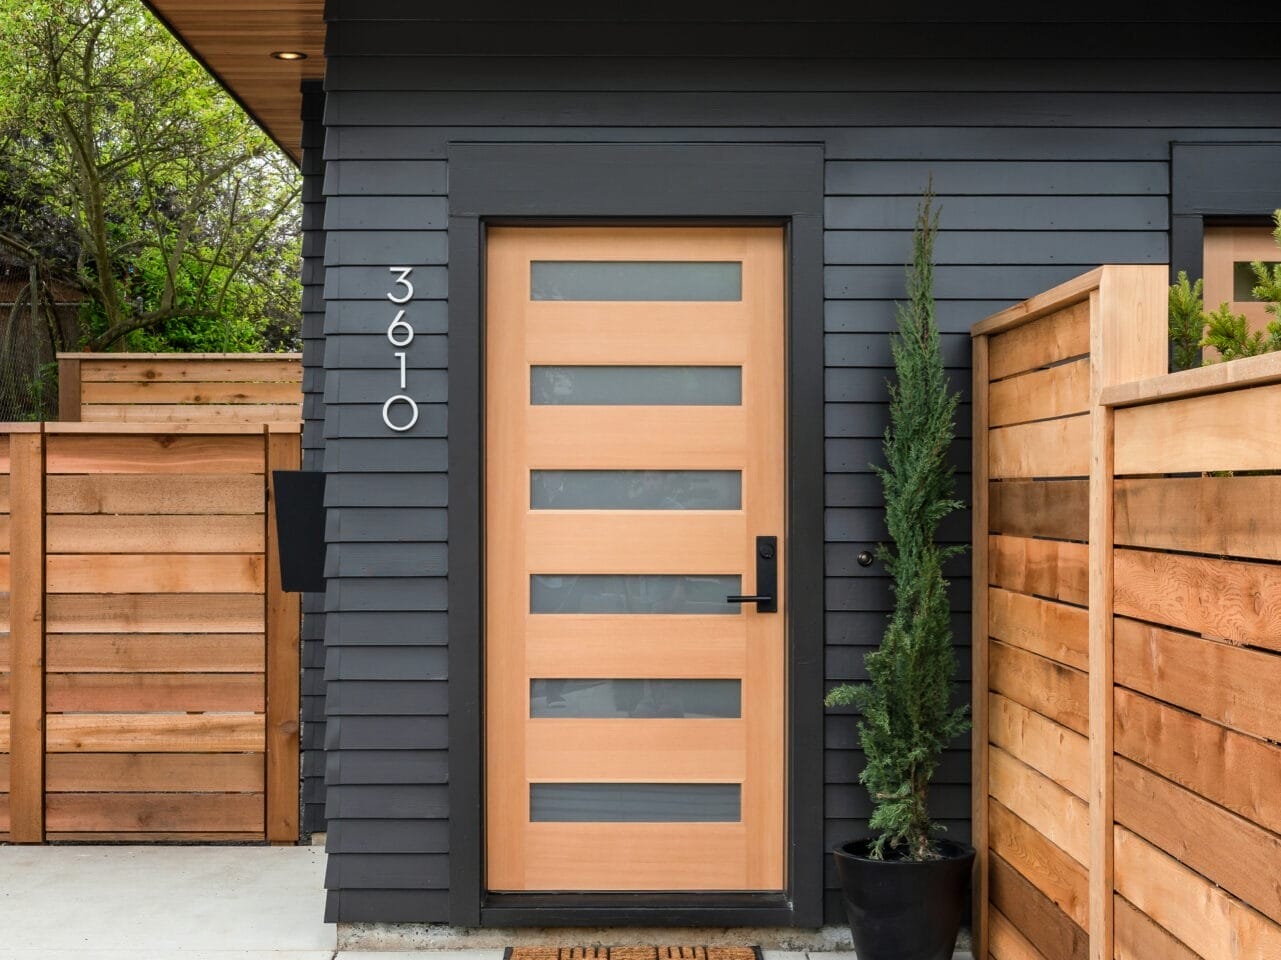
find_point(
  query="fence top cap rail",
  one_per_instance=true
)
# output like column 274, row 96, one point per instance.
column 185, row 429
column 1217, row 378
column 20, row 426
column 180, row 357
column 1033, row 308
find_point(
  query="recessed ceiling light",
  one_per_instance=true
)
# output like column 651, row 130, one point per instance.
column 289, row 55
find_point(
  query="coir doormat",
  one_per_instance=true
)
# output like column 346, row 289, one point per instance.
column 633, row 953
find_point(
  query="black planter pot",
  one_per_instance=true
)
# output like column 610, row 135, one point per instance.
column 902, row 909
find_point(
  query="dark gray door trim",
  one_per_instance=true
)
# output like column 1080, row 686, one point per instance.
column 1226, row 182
column 672, row 182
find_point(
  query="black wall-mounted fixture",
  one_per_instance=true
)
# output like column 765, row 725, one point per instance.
column 300, row 529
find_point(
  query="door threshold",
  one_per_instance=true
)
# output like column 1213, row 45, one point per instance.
column 636, row 909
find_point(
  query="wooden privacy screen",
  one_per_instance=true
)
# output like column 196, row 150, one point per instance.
column 1126, row 636
column 152, row 657
column 180, row 387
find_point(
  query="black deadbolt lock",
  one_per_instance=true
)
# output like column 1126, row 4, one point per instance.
column 765, row 548
column 865, row 559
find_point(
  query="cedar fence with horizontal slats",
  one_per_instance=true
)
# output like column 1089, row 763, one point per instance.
column 180, row 387
column 1127, row 632
column 149, row 676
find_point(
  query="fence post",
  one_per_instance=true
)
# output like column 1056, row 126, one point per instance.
column 26, row 626
column 69, row 389
column 1128, row 341
column 284, row 618
column 979, row 645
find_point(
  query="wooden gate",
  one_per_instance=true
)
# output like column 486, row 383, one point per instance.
column 149, row 677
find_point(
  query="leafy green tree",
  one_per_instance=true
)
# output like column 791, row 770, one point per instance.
column 1187, row 321
column 1230, row 335
column 128, row 172
column 907, row 718
column 1268, row 286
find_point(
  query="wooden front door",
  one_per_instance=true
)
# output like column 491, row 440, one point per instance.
column 635, row 457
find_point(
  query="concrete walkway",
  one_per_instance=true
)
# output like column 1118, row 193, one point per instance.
column 160, row 903
column 188, row 903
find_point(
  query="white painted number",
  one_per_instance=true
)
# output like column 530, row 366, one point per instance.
column 402, row 281
column 399, row 332
column 413, row 412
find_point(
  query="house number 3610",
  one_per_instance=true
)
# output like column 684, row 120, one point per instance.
column 400, row 333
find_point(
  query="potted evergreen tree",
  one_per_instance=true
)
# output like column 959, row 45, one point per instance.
column 905, row 888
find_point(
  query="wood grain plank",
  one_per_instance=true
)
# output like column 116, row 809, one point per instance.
column 1235, row 771
column 981, row 629
column 1139, row 938
column 1188, row 436
column 284, row 624
column 95, row 533
column 1217, row 377
column 1058, row 509
column 140, row 494
column 155, row 733
column 584, row 438
column 1058, row 391
column 26, row 639
column 1006, row 943
column 1058, row 336
column 654, row 750
column 149, row 692
column 155, row 613
column 1047, row 448
column 191, row 412
column 1227, row 516
column 1221, row 598
column 1047, row 747
column 1227, row 849
column 143, row 812
column 1215, row 924
column 154, row 836
column 208, row 368
column 1226, row 684
column 1044, row 925
column 1046, row 686
column 159, row 454
column 154, row 773
column 1044, row 865
column 1053, row 630
column 155, row 653
column 1056, row 814
column 155, row 573
column 282, row 392
column 1046, row 568
column 69, row 389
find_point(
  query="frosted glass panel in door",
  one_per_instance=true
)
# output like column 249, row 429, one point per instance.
column 607, row 280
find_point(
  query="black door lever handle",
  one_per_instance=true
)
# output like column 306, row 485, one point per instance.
column 766, row 577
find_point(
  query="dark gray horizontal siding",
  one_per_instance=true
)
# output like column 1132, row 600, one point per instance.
column 312, row 736
column 408, row 35
column 1069, row 141
column 675, row 74
column 1043, row 170
column 729, row 109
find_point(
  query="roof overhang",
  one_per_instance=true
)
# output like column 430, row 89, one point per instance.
column 235, row 40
